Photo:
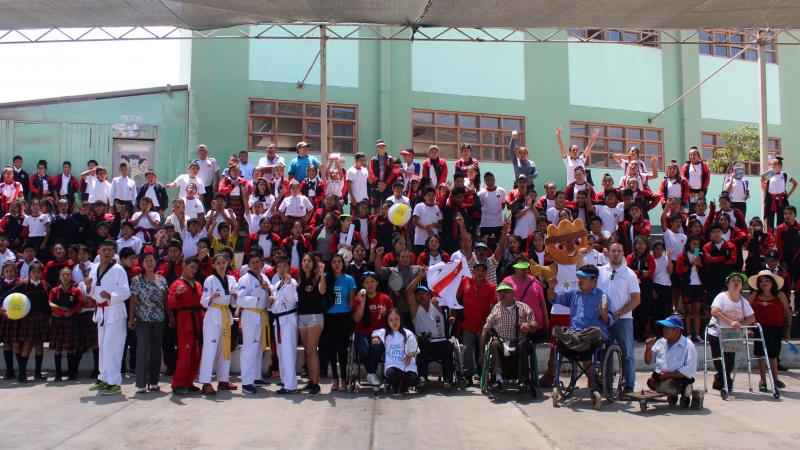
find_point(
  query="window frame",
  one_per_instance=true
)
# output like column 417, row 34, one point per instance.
column 480, row 150
column 643, row 37
column 306, row 119
column 752, row 168
column 725, row 42
column 627, row 141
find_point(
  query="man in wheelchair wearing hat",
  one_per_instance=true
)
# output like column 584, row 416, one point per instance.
column 509, row 324
column 589, row 314
column 675, row 359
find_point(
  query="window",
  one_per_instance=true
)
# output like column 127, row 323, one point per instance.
column 615, row 139
column 287, row 123
column 712, row 141
column 488, row 135
column 726, row 43
column 647, row 38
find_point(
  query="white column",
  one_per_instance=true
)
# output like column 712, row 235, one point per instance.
column 323, row 95
column 762, row 99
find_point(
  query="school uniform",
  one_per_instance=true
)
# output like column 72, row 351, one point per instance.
column 35, row 326
column 217, row 322
column 110, row 315
column 188, row 326
column 285, row 312
column 252, row 300
column 65, row 331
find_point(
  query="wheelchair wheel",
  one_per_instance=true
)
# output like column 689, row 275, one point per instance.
column 353, row 368
column 485, row 372
column 672, row 400
column 555, row 397
column 597, row 400
column 458, row 364
column 611, row 371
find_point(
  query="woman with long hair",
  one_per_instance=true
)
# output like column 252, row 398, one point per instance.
column 311, row 288
column 400, row 348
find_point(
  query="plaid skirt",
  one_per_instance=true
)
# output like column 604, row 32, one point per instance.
column 87, row 331
column 35, row 327
column 236, row 204
column 5, row 327
column 65, row 334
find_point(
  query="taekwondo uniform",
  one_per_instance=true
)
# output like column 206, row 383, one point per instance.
column 252, row 301
column 111, row 318
column 217, row 328
column 284, row 311
column 188, row 326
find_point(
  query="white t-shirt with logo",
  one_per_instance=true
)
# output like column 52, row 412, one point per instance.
column 208, row 167
column 492, row 203
column 733, row 310
column 427, row 215
column 611, row 217
column 37, row 226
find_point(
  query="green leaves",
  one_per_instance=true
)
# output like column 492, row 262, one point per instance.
column 741, row 145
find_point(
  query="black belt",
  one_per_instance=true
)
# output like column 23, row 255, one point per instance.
column 198, row 334
column 278, row 322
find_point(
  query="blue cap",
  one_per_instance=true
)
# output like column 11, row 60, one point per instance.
column 422, row 288
column 672, row 322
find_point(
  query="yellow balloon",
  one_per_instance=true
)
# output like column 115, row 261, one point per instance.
column 17, row 306
column 399, row 214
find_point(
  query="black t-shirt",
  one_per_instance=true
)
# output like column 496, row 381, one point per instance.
column 309, row 299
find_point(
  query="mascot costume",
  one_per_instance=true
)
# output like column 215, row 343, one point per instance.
column 566, row 244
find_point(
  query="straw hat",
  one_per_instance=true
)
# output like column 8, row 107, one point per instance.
column 753, row 281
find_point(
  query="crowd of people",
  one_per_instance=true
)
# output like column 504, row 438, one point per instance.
column 120, row 270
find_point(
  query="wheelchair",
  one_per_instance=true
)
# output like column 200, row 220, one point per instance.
column 604, row 373
column 460, row 379
column 510, row 367
column 353, row 379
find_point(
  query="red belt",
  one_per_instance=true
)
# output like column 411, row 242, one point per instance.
column 777, row 201
column 102, row 306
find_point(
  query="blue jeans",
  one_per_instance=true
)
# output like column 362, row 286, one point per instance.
column 622, row 333
column 368, row 354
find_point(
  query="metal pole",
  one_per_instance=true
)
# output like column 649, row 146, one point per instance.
column 323, row 95
column 762, row 98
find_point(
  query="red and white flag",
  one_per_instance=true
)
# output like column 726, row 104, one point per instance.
column 444, row 278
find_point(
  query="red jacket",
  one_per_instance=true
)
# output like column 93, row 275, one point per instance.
column 440, row 167
column 569, row 192
column 705, row 174
column 189, row 311
column 374, row 169
column 36, row 185
column 226, row 187
column 319, row 191
column 541, row 204
column 424, row 258
column 6, row 201
column 74, row 186
column 741, row 223
column 738, row 237
column 641, row 228
column 65, row 300
column 787, row 239
column 335, row 241
column 640, row 265
column 682, row 267
column 662, row 190
column 252, row 239
column 647, row 199
column 725, row 255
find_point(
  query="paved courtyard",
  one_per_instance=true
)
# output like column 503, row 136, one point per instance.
column 67, row 415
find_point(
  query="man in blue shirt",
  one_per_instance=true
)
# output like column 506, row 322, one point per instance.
column 588, row 312
column 298, row 166
column 675, row 359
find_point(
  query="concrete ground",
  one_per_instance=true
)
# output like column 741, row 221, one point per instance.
column 67, row 415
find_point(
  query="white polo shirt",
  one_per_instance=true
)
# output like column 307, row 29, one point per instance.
column 295, row 206
column 193, row 207
column 358, row 182
column 619, row 289
column 98, row 190
column 123, row 188
column 611, row 217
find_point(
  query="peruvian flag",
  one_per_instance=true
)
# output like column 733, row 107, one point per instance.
column 444, row 278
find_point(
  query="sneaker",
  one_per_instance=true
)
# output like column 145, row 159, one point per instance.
column 627, row 390
column 98, row 386
column 39, row 376
column 335, row 384
column 111, row 390
column 226, row 386
column 261, row 383
column 422, row 383
column 762, row 386
column 58, row 379
column 10, row 375
column 141, row 391
column 779, row 384
column 154, row 387
column 284, row 391
column 315, row 390
column 193, row 388
column 180, row 390
column 208, row 389
column 375, row 381
column 249, row 389
column 308, row 386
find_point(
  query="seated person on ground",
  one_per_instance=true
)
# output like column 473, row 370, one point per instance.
column 589, row 316
column 510, row 322
column 400, row 349
column 675, row 359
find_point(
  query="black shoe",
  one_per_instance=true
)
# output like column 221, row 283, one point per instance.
column 284, row 391
column 182, row 390
column 23, row 377
column 497, row 386
column 57, row 379
column 627, row 390
column 717, row 384
column 308, row 386
column 779, row 384
column 193, row 388
column 39, row 376
column 315, row 390
column 261, row 383
column 763, row 386
column 10, row 375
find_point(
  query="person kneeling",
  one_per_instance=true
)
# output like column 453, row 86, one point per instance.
column 588, row 313
column 510, row 321
column 675, row 359
column 400, row 351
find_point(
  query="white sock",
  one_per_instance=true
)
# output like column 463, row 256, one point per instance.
column 498, row 377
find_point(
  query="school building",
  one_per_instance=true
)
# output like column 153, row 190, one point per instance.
column 244, row 94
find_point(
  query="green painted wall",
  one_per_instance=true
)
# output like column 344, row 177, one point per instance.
column 81, row 130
